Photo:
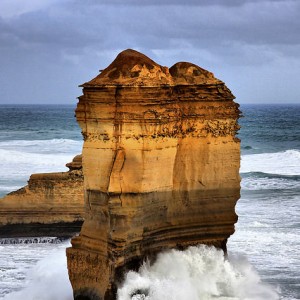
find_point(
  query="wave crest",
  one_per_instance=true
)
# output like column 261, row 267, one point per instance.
column 197, row 273
column 282, row 163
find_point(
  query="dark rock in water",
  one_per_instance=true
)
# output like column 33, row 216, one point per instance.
column 161, row 168
column 140, row 294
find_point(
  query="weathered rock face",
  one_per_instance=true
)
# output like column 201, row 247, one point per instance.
column 51, row 204
column 161, row 167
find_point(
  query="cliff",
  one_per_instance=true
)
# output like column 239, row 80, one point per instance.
column 52, row 204
column 161, row 168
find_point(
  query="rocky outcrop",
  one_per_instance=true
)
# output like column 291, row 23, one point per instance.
column 52, row 204
column 161, row 168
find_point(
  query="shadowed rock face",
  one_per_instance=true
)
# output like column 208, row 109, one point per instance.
column 161, row 168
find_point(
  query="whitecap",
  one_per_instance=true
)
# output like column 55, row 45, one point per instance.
column 20, row 159
column 259, row 224
column 256, row 183
column 43, row 146
column 284, row 163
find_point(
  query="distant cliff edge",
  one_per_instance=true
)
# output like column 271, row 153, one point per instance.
column 52, row 204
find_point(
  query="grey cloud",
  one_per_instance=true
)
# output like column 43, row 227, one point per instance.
column 227, row 3
column 107, row 26
column 72, row 39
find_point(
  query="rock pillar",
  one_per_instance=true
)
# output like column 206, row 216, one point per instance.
column 161, row 168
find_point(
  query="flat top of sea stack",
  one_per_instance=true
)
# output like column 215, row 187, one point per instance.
column 132, row 68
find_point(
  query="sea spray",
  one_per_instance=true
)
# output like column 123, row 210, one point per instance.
column 199, row 273
column 46, row 280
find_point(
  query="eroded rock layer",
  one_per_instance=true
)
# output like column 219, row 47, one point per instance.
column 52, row 204
column 161, row 167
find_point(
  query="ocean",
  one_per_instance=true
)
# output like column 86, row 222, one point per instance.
column 264, row 252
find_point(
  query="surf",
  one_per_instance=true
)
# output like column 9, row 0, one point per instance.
column 198, row 273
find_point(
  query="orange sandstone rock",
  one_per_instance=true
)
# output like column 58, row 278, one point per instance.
column 51, row 204
column 161, row 168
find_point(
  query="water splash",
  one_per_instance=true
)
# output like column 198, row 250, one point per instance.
column 199, row 273
column 46, row 280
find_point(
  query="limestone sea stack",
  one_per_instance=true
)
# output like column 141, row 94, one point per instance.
column 161, row 168
column 50, row 205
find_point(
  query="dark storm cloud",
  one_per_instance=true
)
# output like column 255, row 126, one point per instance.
column 75, row 24
column 255, row 22
column 82, row 36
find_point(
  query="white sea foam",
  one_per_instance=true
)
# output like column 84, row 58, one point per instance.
column 20, row 159
column 42, row 146
column 5, row 188
column 19, row 163
column 199, row 273
column 257, row 224
column 257, row 183
column 273, row 171
column 283, row 163
column 46, row 280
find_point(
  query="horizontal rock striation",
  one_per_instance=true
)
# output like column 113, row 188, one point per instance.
column 52, row 204
column 161, row 168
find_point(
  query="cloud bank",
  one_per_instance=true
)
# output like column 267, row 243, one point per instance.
column 48, row 48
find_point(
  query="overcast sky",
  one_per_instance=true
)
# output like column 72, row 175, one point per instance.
column 49, row 47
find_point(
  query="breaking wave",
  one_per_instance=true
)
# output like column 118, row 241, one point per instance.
column 199, row 273
column 264, row 181
column 21, row 158
column 271, row 171
column 283, row 163
column 42, row 146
